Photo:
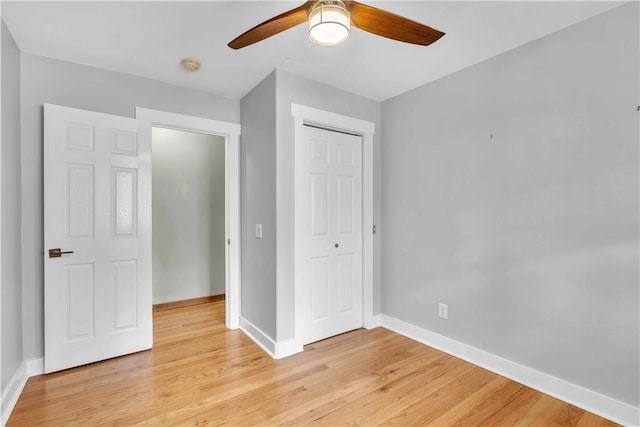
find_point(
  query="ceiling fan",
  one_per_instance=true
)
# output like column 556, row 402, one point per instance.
column 330, row 23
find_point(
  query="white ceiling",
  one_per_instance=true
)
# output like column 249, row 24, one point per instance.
column 149, row 38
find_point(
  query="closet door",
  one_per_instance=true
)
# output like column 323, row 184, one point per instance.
column 328, row 234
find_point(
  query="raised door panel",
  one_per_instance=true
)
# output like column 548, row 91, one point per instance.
column 124, row 202
column 319, row 150
column 345, row 282
column 345, row 205
column 79, row 313
column 80, row 201
column 345, row 153
column 124, row 142
column 79, row 136
column 319, row 192
column 125, row 278
column 319, row 288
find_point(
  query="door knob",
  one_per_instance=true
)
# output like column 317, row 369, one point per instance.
column 57, row 253
column 336, row 245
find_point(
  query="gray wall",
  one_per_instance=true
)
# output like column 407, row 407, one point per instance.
column 258, row 205
column 45, row 80
column 11, row 321
column 188, row 215
column 530, row 237
column 294, row 89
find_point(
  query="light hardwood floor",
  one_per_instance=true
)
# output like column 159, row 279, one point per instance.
column 199, row 373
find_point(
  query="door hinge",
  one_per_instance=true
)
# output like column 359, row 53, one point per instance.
column 374, row 229
column 229, row 242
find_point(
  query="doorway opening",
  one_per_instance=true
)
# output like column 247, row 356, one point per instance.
column 188, row 211
column 230, row 133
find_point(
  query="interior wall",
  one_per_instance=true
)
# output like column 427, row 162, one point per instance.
column 45, row 80
column 511, row 194
column 294, row 89
column 11, row 299
column 258, row 206
column 188, row 187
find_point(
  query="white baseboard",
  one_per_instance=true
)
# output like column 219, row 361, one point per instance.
column 287, row 348
column 277, row 350
column 12, row 392
column 35, row 366
column 589, row 400
column 373, row 322
column 259, row 337
column 27, row 368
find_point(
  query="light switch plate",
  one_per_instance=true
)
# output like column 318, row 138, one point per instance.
column 258, row 231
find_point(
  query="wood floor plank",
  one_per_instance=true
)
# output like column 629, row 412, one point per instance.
column 517, row 408
column 313, row 388
column 475, row 409
column 425, row 410
column 200, row 373
column 396, row 391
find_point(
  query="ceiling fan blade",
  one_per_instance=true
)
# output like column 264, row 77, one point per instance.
column 273, row 26
column 390, row 25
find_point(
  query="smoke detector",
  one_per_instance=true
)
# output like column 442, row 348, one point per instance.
column 190, row 64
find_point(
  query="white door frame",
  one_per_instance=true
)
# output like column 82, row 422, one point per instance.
column 231, row 134
column 333, row 121
column 2, row 403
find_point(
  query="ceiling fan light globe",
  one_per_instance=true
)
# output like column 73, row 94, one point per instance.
column 329, row 23
column 328, row 34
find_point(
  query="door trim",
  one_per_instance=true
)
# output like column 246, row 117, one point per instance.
column 231, row 133
column 337, row 122
column 2, row 398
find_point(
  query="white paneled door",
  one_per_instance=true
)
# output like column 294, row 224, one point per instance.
column 97, row 226
column 328, row 234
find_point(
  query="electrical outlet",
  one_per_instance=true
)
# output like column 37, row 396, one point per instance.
column 258, row 231
column 443, row 311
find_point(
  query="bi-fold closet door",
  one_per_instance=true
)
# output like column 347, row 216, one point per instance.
column 329, row 265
